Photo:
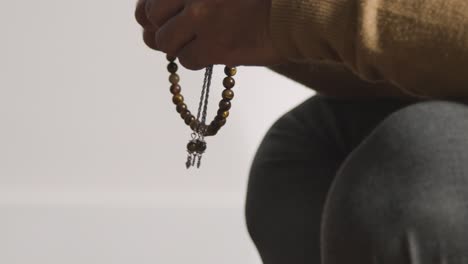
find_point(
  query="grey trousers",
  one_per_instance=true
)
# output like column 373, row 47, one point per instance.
column 362, row 181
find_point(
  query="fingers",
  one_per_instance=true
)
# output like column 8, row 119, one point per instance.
column 152, row 14
column 171, row 28
column 189, row 56
column 149, row 37
column 140, row 16
column 175, row 34
column 160, row 11
column 195, row 56
column 149, row 31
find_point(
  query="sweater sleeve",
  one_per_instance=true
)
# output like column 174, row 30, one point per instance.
column 420, row 46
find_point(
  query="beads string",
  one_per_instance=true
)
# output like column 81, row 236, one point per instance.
column 197, row 145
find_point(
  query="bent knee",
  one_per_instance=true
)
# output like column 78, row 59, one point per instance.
column 423, row 128
column 407, row 179
column 419, row 154
column 424, row 145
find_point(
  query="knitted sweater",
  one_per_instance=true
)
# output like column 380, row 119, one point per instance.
column 401, row 48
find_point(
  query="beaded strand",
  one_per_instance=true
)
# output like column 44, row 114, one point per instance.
column 197, row 146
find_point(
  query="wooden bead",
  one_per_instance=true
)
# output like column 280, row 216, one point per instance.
column 192, row 146
column 177, row 99
column 174, row 78
column 221, row 122
column 211, row 130
column 228, row 82
column 224, row 105
column 175, row 89
column 218, row 123
column 180, row 107
column 214, row 124
column 188, row 119
column 194, row 124
column 170, row 58
column 172, row 67
column 230, row 71
column 201, row 146
column 223, row 114
column 228, row 94
column 185, row 113
column 210, row 133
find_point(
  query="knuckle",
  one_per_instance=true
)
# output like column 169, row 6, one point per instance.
column 149, row 40
column 189, row 63
column 140, row 14
column 196, row 10
column 147, row 6
column 160, row 41
column 152, row 14
column 185, row 62
column 164, row 42
column 152, row 20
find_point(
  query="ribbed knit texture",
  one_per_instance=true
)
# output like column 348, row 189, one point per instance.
column 419, row 47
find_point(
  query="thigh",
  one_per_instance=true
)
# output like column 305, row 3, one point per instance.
column 289, row 179
column 294, row 167
column 401, row 196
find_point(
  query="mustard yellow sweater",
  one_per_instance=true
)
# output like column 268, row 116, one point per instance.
column 402, row 48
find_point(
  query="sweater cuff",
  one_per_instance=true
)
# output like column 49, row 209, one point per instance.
column 304, row 30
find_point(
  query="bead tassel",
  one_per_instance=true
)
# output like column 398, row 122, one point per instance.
column 197, row 146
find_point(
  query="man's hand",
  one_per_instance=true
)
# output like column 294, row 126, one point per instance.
column 204, row 32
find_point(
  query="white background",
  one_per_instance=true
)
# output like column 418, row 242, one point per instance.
column 92, row 150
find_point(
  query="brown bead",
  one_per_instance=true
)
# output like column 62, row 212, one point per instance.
column 228, row 94
column 175, row 89
column 172, row 67
column 218, row 123
column 185, row 113
column 228, row 82
column 201, row 146
column 170, row 58
column 177, row 99
column 212, row 130
column 174, row 78
column 180, row 107
column 210, row 133
column 214, row 124
column 188, row 119
column 221, row 122
column 194, row 124
column 191, row 146
column 230, row 71
column 223, row 114
column 224, row 105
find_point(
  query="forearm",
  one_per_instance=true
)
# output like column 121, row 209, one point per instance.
column 336, row 80
column 420, row 46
